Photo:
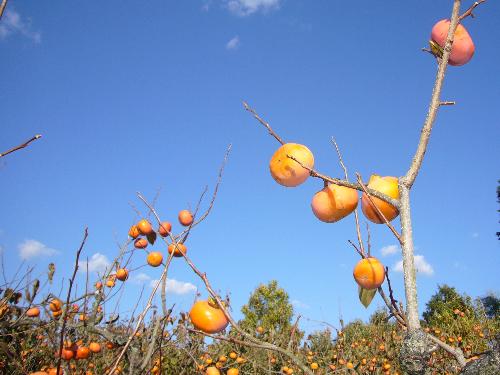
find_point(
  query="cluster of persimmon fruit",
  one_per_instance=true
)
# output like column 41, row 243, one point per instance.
column 290, row 166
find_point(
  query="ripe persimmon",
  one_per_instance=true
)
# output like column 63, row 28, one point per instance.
column 233, row 355
column 144, row 227
column 57, row 313
column 154, row 258
column 462, row 48
column 369, row 273
column 95, row 347
column 98, row 285
column 55, row 305
column 233, row 371
column 67, row 354
column 288, row 172
column 334, row 202
column 122, row 274
column 208, row 317
column 141, row 243
column 186, row 217
column 134, row 232
column 33, row 312
column 164, row 229
column 82, row 352
column 178, row 249
column 212, row 370
column 388, row 186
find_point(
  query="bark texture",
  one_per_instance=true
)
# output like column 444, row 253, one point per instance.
column 415, row 353
column 487, row 364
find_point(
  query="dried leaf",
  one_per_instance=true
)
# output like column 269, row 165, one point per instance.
column 151, row 237
column 52, row 270
column 366, row 295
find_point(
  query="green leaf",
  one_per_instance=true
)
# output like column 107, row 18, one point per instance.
column 366, row 295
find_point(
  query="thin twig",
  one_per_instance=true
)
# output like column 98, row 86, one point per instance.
column 23, row 145
column 66, row 310
column 263, row 122
column 468, row 12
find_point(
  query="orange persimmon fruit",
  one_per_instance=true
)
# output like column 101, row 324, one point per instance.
column 164, row 229
column 288, row 172
column 388, row 186
column 144, row 227
column 178, row 249
column 154, row 258
column 208, row 317
column 186, row 218
column 334, row 202
column 369, row 273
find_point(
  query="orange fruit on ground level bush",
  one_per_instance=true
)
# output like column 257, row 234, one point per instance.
column 334, row 202
column 314, row 366
column 122, row 274
column 288, row 172
column 233, row 355
column 208, row 317
column 369, row 273
column 233, row 371
column 66, row 354
column 212, row 370
column 186, row 218
column 178, row 249
column 39, row 373
column 141, row 243
column 33, row 312
column 388, row 186
column 144, row 227
column 95, row 347
column 165, row 228
column 155, row 258
column 55, row 305
column 462, row 48
column 82, row 352
column 134, row 231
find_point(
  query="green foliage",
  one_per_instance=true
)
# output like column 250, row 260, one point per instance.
column 491, row 305
column 268, row 307
column 440, row 307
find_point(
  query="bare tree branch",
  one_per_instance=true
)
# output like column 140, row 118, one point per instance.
column 23, row 145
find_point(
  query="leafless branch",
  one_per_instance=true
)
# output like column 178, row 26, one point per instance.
column 263, row 122
column 25, row 144
column 468, row 12
column 2, row 7
column 68, row 297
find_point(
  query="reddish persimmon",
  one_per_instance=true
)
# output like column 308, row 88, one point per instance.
column 178, row 249
column 288, row 172
column 33, row 312
column 388, row 186
column 164, row 229
column 334, row 202
column 369, row 273
column 208, row 317
column 141, row 243
column 55, row 305
column 462, row 48
column 122, row 274
column 144, row 227
column 186, row 218
column 82, row 352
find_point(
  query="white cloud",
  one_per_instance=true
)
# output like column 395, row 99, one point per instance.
column 13, row 23
column 420, row 264
column 299, row 304
column 97, row 263
column 234, row 43
column 141, row 278
column 389, row 250
column 176, row 287
column 247, row 7
column 33, row 248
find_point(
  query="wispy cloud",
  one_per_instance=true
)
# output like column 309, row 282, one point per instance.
column 97, row 263
column 389, row 250
column 13, row 23
column 475, row 235
column 247, row 7
column 421, row 265
column 33, row 248
column 299, row 304
column 176, row 287
column 141, row 278
column 234, row 43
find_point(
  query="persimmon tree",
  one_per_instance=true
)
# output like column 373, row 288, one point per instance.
column 417, row 346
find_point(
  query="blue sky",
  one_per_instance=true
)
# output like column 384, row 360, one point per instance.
column 139, row 97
